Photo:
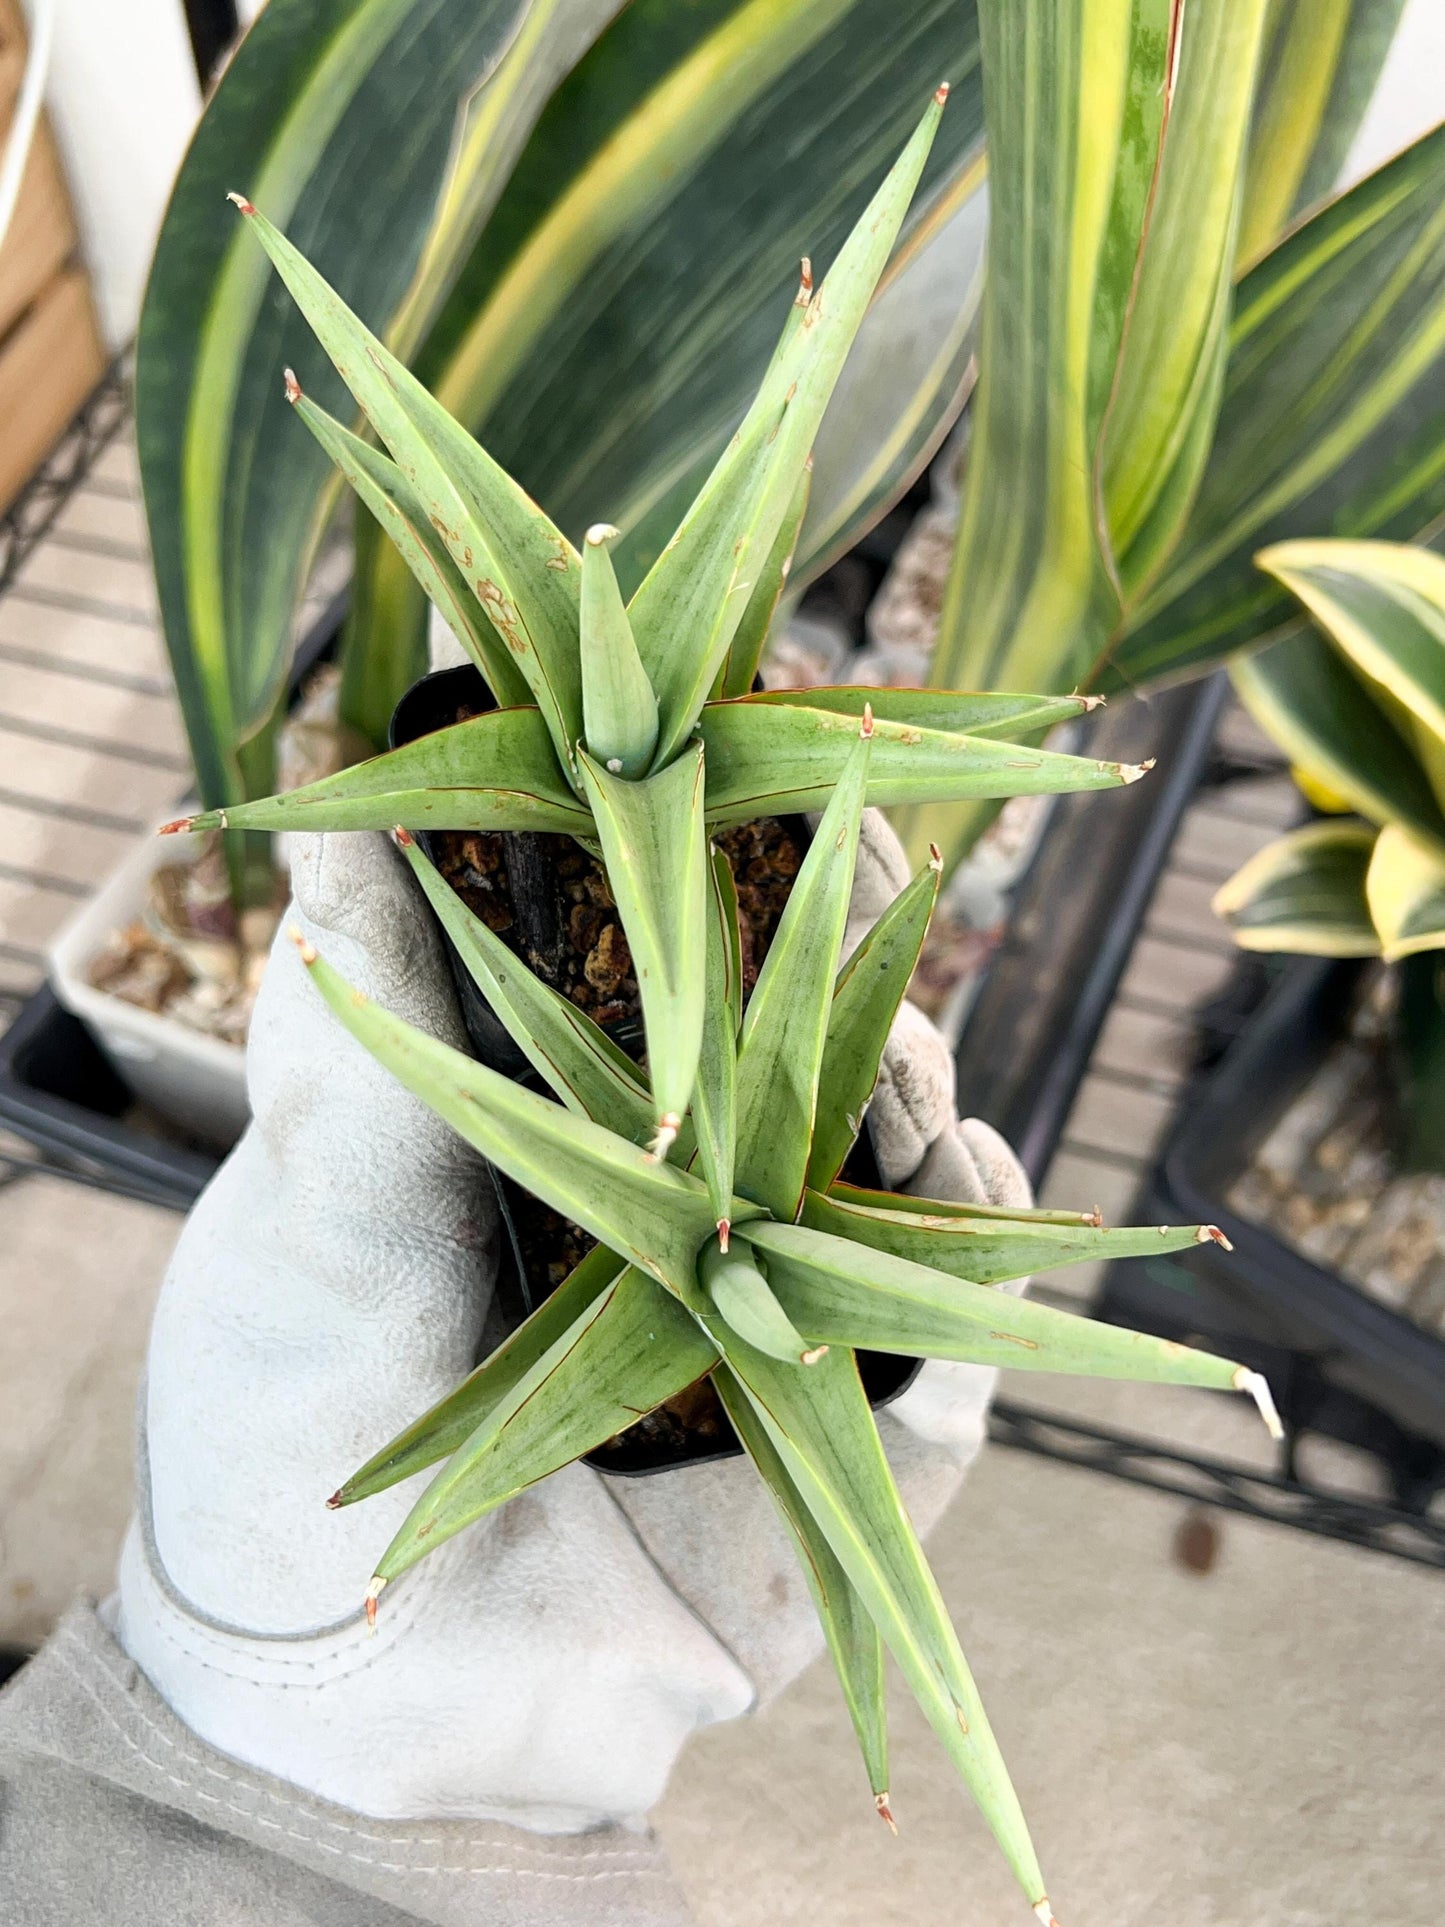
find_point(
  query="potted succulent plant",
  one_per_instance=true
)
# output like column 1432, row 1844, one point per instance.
column 1321, row 1139
column 717, row 1241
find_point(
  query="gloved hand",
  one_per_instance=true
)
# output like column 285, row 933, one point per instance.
column 545, row 1667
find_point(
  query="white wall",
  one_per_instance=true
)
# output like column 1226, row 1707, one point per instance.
column 123, row 98
column 1411, row 93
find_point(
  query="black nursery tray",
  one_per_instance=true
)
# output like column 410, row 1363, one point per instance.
column 1340, row 1362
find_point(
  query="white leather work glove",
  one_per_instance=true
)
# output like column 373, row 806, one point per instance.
column 545, row 1667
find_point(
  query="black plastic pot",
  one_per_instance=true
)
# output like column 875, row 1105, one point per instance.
column 432, row 703
column 1341, row 1363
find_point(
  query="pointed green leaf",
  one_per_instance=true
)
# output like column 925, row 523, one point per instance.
column 654, row 1215
column 631, row 1348
column 745, row 652
column 453, row 1420
column 619, row 710
column 590, row 1074
column 523, row 571
column 1305, row 892
column 819, row 1423
column 770, row 759
column 388, row 495
column 853, row 1639
column 714, row 1101
column 688, row 608
column 655, row 847
column 780, row 1050
column 870, row 987
column 1304, row 694
column 494, row 772
column 1405, row 889
column 990, row 1253
column 1321, row 61
column 1011, row 718
column 734, row 1282
column 947, row 1208
column 840, row 1293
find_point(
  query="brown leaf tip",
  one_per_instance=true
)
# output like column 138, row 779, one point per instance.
column 935, row 859
column 724, row 1232
column 306, row 948
column 1211, row 1234
column 867, row 729
column 240, row 201
column 175, row 828
column 403, row 836
column 373, row 1593
column 1096, row 1218
column 334, row 1503
column 805, row 283
column 940, row 93
column 885, row 1812
column 293, row 387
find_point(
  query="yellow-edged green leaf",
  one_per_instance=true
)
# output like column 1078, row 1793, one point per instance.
column 586, row 1070
column 453, row 1419
column 315, row 96
column 714, row 1101
column 1333, row 417
column 819, row 1423
column 1321, row 61
column 840, row 1293
column 853, row 1639
column 1303, row 693
column 1383, row 605
column 1405, row 889
column 780, row 1048
column 525, row 574
column 1305, row 892
column 655, row 848
column 688, row 607
column 870, row 987
column 1160, row 414
column 619, row 312
column 989, row 1253
column 494, row 772
column 630, row 1349
column 651, row 1213
column 619, row 710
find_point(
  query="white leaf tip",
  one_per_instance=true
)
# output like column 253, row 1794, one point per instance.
column 885, row 1812
column 293, row 387
column 1046, row 1913
column 1257, row 1386
column 373, row 1593
column 240, row 201
column 600, row 534
column 812, row 1357
column 306, row 948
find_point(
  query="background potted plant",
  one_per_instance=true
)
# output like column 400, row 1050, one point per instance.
column 555, row 193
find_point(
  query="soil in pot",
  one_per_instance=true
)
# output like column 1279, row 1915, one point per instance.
column 1328, row 1177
